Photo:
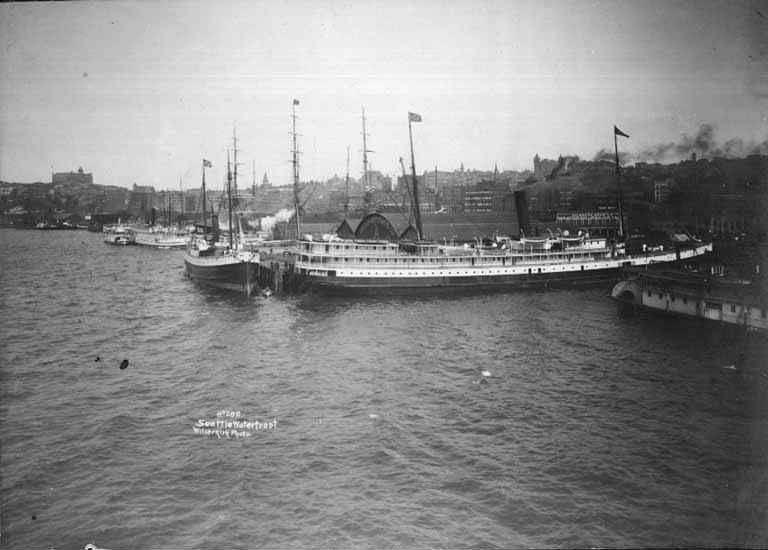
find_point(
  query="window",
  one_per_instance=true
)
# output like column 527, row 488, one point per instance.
column 660, row 295
column 649, row 292
column 764, row 313
column 733, row 308
column 685, row 300
column 672, row 298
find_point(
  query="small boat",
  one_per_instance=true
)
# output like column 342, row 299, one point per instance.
column 119, row 235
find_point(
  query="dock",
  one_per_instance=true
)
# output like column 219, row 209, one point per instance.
column 277, row 268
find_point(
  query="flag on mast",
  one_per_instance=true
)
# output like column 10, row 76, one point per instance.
column 413, row 117
column 207, row 164
column 618, row 132
column 295, row 101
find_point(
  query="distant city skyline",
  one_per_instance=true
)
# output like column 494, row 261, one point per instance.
column 140, row 93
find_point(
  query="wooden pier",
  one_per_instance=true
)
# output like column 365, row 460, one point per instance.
column 276, row 269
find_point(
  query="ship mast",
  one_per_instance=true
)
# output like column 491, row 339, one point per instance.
column 181, row 194
column 616, row 134
column 413, row 117
column 365, row 154
column 296, row 173
column 205, row 221
column 229, row 199
column 234, row 161
column 408, row 189
column 346, row 181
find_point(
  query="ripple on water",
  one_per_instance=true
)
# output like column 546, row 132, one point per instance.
column 592, row 429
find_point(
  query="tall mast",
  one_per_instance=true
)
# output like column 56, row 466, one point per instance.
column 408, row 189
column 229, row 199
column 205, row 221
column 346, row 197
column 365, row 155
column 413, row 117
column 234, row 162
column 296, row 172
column 253, row 184
column 616, row 134
column 181, row 193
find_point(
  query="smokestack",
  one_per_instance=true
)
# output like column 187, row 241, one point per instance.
column 521, row 207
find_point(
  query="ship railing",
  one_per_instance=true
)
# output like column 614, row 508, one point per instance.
column 410, row 262
column 362, row 255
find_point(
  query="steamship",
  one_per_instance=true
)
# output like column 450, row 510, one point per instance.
column 353, row 266
column 372, row 267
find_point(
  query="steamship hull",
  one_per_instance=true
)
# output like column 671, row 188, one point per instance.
column 359, row 280
column 394, row 286
column 228, row 272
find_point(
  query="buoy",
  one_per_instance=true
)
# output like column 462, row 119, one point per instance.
column 93, row 547
column 124, row 364
column 486, row 373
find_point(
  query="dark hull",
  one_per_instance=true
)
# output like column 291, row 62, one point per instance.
column 233, row 275
column 458, row 285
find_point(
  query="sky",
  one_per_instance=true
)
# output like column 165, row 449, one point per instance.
column 141, row 92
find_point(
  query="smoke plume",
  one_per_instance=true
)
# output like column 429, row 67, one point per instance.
column 605, row 154
column 268, row 222
column 704, row 144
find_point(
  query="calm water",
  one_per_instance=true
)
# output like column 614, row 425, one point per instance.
column 594, row 429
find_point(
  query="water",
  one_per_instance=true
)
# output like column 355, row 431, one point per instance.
column 594, row 428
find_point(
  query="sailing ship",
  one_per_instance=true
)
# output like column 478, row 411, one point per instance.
column 227, row 265
column 354, row 266
column 163, row 237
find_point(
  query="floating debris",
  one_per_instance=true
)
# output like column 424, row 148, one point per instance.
column 97, row 359
column 124, row 364
column 373, row 415
column 486, row 373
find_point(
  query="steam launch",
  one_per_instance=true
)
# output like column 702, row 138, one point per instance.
column 226, row 265
column 417, row 266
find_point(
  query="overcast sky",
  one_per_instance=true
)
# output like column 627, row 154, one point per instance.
column 141, row 92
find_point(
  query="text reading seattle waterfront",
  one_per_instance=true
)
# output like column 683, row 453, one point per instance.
column 384, row 274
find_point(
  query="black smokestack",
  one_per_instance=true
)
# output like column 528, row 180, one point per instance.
column 521, row 206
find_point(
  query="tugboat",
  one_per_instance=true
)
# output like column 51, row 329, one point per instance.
column 119, row 235
column 227, row 266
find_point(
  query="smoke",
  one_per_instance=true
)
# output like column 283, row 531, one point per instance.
column 268, row 222
column 704, row 144
column 605, row 154
column 563, row 163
